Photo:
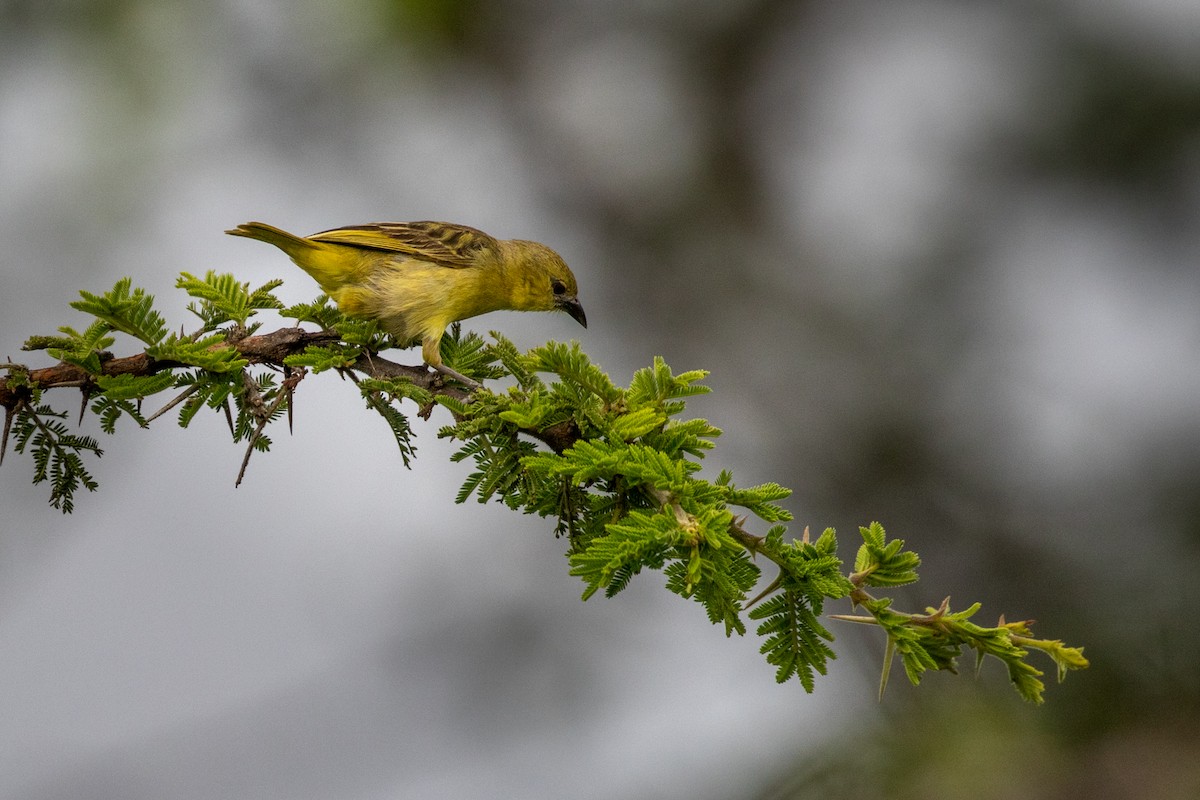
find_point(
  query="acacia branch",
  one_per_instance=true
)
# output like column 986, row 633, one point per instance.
column 269, row 349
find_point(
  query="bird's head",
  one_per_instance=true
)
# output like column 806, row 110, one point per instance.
column 543, row 282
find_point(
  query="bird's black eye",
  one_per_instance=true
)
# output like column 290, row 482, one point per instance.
column 558, row 287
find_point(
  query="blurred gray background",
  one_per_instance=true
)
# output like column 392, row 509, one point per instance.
column 940, row 257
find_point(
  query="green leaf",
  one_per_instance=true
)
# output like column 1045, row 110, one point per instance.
column 225, row 299
column 656, row 385
column 367, row 334
column 83, row 349
column 683, row 437
column 397, row 422
column 321, row 312
column 574, row 367
column 125, row 310
column 320, row 358
column 883, row 563
column 635, row 424
column 129, row 387
column 795, row 641
column 760, row 501
column 56, row 453
column 211, row 353
column 515, row 363
column 532, row 414
column 110, row 411
column 640, row 540
column 468, row 354
column 718, row 579
column 595, row 459
column 46, row 342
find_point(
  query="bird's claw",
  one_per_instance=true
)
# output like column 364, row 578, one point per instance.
column 458, row 376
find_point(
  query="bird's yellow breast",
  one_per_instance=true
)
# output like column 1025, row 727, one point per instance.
column 414, row 299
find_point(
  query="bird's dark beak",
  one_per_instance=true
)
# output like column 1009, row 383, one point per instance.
column 572, row 307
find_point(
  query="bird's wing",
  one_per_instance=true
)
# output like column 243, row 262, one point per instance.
column 443, row 243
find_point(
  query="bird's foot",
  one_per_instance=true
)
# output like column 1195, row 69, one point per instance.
column 458, row 376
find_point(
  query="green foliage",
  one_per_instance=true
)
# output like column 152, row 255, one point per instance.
column 617, row 468
column 210, row 371
column 124, row 309
column 55, row 450
column 81, row 349
column 359, row 334
column 641, row 539
column 498, row 457
column 384, row 397
column 580, row 378
column 883, row 563
column 222, row 298
column 718, row 578
column 208, row 353
column 810, row 573
column 42, row 342
column 935, row 639
column 130, row 387
column 118, row 393
column 812, row 568
column 362, row 333
column 320, row 358
column 794, row 644
column 109, row 411
column 468, row 354
column 629, row 496
column 320, row 312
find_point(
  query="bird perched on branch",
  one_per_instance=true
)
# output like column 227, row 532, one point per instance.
column 416, row 278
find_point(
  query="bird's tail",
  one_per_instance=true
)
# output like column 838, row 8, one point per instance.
column 334, row 267
column 295, row 246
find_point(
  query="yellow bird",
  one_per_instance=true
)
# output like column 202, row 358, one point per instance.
column 416, row 278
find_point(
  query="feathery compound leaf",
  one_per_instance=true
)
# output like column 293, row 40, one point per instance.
column 39, row 342
column 534, row 413
column 399, row 388
column 320, row 311
column 795, row 642
column 640, row 540
column 515, row 362
column 129, row 387
column 397, row 423
column 205, row 389
column 680, row 437
column 499, row 456
column 320, row 358
column 595, row 459
column 571, row 364
column 760, row 501
column 468, row 354
column 83, row 349
column 127, row 311
column 225, row 299
column 365, row 333
column 718, row 579
column 211, row 353
column 883, row 563
column 813, row 569
column 634, row 424
column 656, row 385
column 110, row 411
column 56, row 453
